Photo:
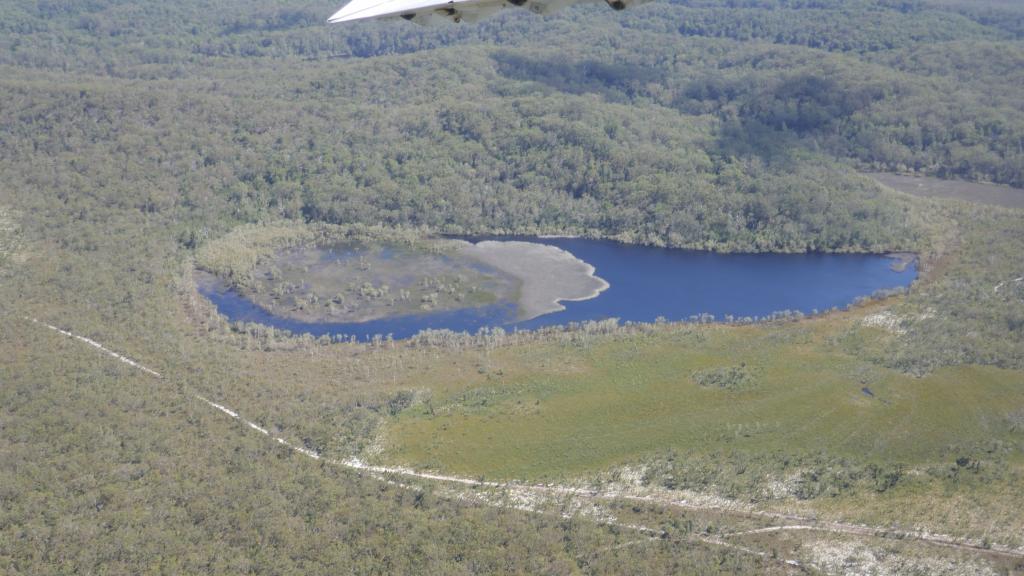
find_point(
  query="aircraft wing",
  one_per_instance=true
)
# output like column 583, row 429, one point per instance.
column 429, row 12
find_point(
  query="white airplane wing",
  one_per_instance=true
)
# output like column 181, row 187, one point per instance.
column 429, row 12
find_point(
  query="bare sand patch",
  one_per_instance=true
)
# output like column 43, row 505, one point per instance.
column 549, row 275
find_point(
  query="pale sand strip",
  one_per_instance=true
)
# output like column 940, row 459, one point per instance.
column 549, row 275
column 96, row 344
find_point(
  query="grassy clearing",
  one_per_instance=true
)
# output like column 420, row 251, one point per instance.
column 991, row 194
column 624, row 399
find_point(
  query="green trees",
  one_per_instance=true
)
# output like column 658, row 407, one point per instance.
column 533, row 163
column 134, row 133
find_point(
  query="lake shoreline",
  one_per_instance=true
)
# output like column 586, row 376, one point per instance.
column 901, row 260
column 652, row 285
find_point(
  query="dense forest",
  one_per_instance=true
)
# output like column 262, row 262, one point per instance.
column 636, row 126
column 134, row 132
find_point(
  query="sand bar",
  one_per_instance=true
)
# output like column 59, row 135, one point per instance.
column 548, row 274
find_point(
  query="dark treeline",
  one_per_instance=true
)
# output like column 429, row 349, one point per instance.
column 513, row 157
column 107, row 35
column 930, row 87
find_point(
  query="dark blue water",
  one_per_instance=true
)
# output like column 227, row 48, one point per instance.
column 646, row 283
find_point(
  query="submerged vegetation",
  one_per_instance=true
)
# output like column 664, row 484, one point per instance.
column 139, row 137
column 329, row 273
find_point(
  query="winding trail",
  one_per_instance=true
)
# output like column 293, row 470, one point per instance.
column 795, row 522
column 96, row 344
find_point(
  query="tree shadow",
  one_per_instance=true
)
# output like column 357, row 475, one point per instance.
column 777, row 123
column 619, row 83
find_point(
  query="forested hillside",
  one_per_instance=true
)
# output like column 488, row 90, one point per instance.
column 689, row 124
column 134, row 132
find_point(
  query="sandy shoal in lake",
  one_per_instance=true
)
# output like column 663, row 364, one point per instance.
column 548, row 274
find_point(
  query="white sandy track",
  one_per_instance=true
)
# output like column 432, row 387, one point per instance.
column 796, row 522
column 96, row 344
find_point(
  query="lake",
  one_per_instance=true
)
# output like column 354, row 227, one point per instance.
column 646, row 283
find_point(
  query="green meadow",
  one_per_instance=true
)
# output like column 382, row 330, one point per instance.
column 558, row 411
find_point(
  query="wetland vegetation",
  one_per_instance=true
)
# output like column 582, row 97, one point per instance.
column 356, row 283
column 533, row 283
column 140, row 139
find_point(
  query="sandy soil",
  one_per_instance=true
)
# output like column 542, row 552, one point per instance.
column 548, row 274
